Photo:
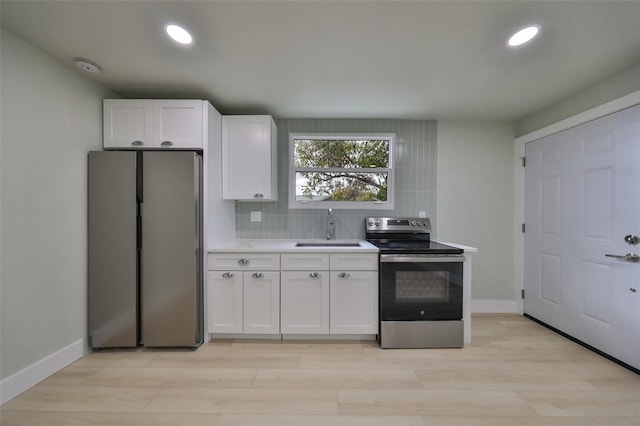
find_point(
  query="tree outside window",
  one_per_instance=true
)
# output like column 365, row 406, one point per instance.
column 346, row 171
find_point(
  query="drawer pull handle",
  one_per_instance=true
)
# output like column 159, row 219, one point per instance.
column 344, row 275
column 228, row 275
column 314, row 275
column 137, row 143
column 258, row 196
column 243, row 262
column 257, row 275
column 166, row 143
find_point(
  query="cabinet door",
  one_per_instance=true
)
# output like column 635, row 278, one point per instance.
column 304, row 302
column 354, row 302
column 262, row 302
column 224, row 302
column 127, row 123
column 177, row 123
column 248, row 168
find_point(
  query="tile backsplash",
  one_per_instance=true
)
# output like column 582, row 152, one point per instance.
column 414, row 163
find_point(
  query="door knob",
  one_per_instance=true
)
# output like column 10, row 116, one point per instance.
column 632, row 239
column 629, row 257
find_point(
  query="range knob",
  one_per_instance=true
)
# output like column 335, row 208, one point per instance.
column 370, row 223
column 377, row 223
column 414, row 223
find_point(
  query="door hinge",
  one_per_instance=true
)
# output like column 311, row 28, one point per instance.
column 522, row 293
column 523, row 228
column 524, row 161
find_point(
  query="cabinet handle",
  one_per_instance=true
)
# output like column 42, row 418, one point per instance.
column 314, row 275
column 228, row 275
column 259, row 196
column 257, row 275
column 344, row 275
column 243, row 262
column 137, row 143
column 166, row 143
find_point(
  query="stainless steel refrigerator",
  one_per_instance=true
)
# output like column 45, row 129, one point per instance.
column 145, row 249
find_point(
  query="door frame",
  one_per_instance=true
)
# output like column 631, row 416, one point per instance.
column 611, row 107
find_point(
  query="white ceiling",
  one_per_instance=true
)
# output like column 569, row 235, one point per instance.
column 382, row 59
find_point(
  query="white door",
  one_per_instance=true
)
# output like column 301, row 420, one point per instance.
column 127, row 123
column 177, row 123
column 246, row 157
column 261, row 302
column 582, row 197
column 353, row 302
column 304, row 302
column 224, row 302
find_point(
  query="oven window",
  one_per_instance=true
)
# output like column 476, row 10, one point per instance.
column 418, row 291
column 422, row 286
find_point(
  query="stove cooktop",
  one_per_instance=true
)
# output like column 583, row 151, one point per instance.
column 410, row 235
column 414, row 247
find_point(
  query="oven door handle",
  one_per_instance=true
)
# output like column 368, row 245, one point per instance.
column 434, row 258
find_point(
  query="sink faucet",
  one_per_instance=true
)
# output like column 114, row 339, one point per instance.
column 331, row 226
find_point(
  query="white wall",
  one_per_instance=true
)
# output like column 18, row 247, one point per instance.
column 475, row 199
column 51, row 117
column 612, row 88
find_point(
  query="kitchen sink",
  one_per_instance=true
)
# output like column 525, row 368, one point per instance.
column 327, row 244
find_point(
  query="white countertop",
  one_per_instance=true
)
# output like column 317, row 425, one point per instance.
column 283, row 246
column 467, row 249
column 269, row 245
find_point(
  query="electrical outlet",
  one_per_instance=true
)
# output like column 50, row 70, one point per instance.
column 256, row 216
column 422, row 214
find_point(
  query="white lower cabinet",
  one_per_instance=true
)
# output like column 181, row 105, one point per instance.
column 329, row 299
column 292, row 293
column 304, row 302
column 353, row 302
column 242, row 301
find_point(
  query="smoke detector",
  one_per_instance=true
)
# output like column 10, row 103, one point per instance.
column 87, row 65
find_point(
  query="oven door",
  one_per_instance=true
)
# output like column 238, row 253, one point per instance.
column 416, row 287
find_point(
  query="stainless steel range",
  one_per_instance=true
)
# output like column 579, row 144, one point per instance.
column 420, row 285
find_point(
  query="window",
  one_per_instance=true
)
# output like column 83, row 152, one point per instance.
column 350, row 171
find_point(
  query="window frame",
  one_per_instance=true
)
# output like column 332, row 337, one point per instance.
column 371, row 205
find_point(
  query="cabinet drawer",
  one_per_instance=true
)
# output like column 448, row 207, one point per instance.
column 243, row 261
column 305, row 261
column 354, row 261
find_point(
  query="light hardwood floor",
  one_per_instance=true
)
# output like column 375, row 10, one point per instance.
column 515, row 372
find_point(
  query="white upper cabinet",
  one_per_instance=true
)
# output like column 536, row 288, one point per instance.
column 177, row 123
column 249, row 153
column 146, row 123
column 127, row 123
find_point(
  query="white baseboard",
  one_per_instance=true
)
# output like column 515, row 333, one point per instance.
column 24, row 379
column 494, row 306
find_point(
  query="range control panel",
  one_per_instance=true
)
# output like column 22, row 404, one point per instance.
column 397, row 224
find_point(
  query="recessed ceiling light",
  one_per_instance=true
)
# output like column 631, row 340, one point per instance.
column 524, row 35
column 178, row 34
